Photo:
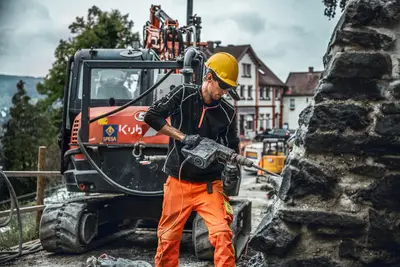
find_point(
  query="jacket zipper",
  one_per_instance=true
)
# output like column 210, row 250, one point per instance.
column 202, row 115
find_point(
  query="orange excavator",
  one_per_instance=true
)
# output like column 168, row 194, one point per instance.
column 111, row 155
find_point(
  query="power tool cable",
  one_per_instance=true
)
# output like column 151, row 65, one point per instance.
column 9, row 255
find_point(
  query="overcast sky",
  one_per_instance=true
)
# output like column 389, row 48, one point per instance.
column 288, row 35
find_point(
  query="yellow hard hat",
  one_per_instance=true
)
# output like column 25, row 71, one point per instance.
column 225, row 67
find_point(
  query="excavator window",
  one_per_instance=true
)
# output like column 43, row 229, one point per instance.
column 121, row 84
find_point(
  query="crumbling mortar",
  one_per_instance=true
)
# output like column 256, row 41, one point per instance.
column 374, row 115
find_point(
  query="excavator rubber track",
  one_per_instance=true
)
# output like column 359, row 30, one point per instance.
column 77, row 226
column 241, row 229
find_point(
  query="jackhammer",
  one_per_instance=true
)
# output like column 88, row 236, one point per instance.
column 208, row 150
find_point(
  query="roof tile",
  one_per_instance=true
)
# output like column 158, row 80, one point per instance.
column 302, row 83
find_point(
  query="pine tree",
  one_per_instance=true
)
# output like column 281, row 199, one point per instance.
column 21, row 139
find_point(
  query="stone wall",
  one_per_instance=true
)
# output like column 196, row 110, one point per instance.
column 339, row 201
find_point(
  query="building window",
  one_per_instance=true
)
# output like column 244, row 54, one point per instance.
column 292, row 104
column 267, row 93
column 242, row 91
column 241, row 124
column 249, row 92
column 261, row 92
column 261, row 122
column 246, row 70
column 267, row 124
column 250, row 122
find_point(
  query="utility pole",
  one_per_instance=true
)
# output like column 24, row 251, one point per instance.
column 189, row 14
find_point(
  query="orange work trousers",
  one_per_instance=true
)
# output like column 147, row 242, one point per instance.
column 213, row 208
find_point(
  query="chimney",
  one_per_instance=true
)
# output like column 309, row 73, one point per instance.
column 311, row 69
column 218, row 43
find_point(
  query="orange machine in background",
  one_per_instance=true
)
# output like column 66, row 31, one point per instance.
column 273, row 155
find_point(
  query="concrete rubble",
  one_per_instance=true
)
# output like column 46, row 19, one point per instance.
column 339, row 201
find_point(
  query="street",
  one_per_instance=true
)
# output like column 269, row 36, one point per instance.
column 142, row 244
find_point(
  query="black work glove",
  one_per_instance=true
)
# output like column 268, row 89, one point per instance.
column 230, row 174
column 191, row 140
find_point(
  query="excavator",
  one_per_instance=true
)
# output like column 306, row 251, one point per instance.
column 110, row 155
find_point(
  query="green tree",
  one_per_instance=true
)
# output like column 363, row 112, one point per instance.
column 20, row 132
column 22, row 137
column 100, row 29
column 331, row 6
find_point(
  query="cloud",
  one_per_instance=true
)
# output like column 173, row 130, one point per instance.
column 287, row 35
column 29, row 38
column 250, row 21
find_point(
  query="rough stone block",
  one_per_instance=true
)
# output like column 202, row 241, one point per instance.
column 383, row 231
column 305, row 115
column 302, row 177
column 374, row 171
column 390, row 108
column 304, row 261
column 335, row 232
column 378, row 258
column 344, row 89
column 373, row 12
column 328, row 117
column 324, row 218
column 257, row 260
column 349, row 249
column 388, row 125
column 273, row 237
column 391, row 162
column 394, row 88
column 366, row 38
column 383, row 194
column 357, row 144
column 372, row 65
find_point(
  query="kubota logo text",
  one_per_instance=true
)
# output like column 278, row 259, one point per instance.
column 125, row 129
column 139, row 116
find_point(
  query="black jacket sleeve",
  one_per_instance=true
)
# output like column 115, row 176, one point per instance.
column 232, row 135
column 163, row 108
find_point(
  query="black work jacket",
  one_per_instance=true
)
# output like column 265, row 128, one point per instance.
column 188, row 113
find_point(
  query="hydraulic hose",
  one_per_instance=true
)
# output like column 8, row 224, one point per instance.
column 94, row 165
column 6, row 256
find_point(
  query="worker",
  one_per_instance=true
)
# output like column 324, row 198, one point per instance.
column 198, row 111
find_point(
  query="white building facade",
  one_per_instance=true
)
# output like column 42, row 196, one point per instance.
column 300, row 93
column 293, row 106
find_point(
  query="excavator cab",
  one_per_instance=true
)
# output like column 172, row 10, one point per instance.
column 273, row 155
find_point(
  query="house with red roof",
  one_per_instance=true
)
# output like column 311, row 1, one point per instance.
column 298, row 96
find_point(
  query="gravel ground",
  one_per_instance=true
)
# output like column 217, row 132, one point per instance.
column 142, row 245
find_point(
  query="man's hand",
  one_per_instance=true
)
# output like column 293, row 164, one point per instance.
column 191, row 140
column 231, row 175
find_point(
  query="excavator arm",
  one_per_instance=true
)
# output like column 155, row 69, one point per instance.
column 163, row 34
